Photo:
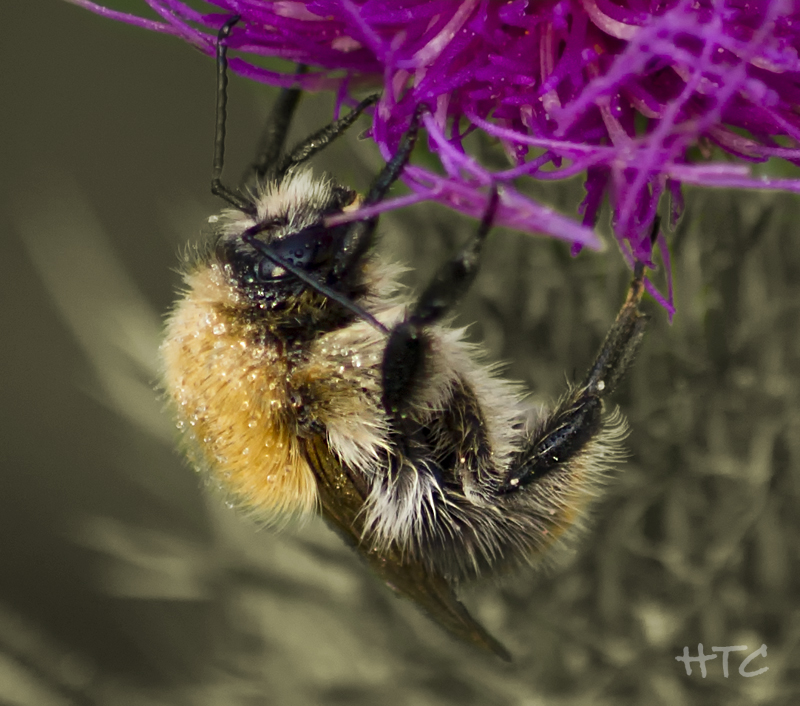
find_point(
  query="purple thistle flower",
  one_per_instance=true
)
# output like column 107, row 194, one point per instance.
column 633, row 94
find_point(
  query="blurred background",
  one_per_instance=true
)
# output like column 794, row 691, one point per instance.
column 124, row 581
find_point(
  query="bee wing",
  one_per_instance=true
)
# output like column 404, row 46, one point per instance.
column 341, row 500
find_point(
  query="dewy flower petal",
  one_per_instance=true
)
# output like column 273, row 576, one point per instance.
column 623, row 91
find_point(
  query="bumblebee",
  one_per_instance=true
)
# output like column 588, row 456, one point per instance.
column 305, row 380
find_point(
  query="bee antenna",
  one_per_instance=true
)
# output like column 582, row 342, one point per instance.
column 249, row 237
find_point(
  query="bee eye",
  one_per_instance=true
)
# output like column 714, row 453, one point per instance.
column 267, row 270
column 309, row 249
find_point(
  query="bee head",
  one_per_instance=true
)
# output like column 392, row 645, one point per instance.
column 287, row 232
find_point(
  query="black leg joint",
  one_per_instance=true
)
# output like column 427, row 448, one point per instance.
column 234, row 199
column 564, row 435
column 403, row 359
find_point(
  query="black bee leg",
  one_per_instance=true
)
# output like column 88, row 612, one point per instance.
column 217, row 187
column 358, row 238
column 322, row 138
column 394, row 167
column 578, row 417
column 273, row 138
column 404, row 355
column 622, row 341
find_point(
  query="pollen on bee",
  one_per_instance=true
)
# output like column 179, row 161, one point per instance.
column 229, row 394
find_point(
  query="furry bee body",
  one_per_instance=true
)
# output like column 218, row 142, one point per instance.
column 306, row 379
column 252, row 387
column 259, row 378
